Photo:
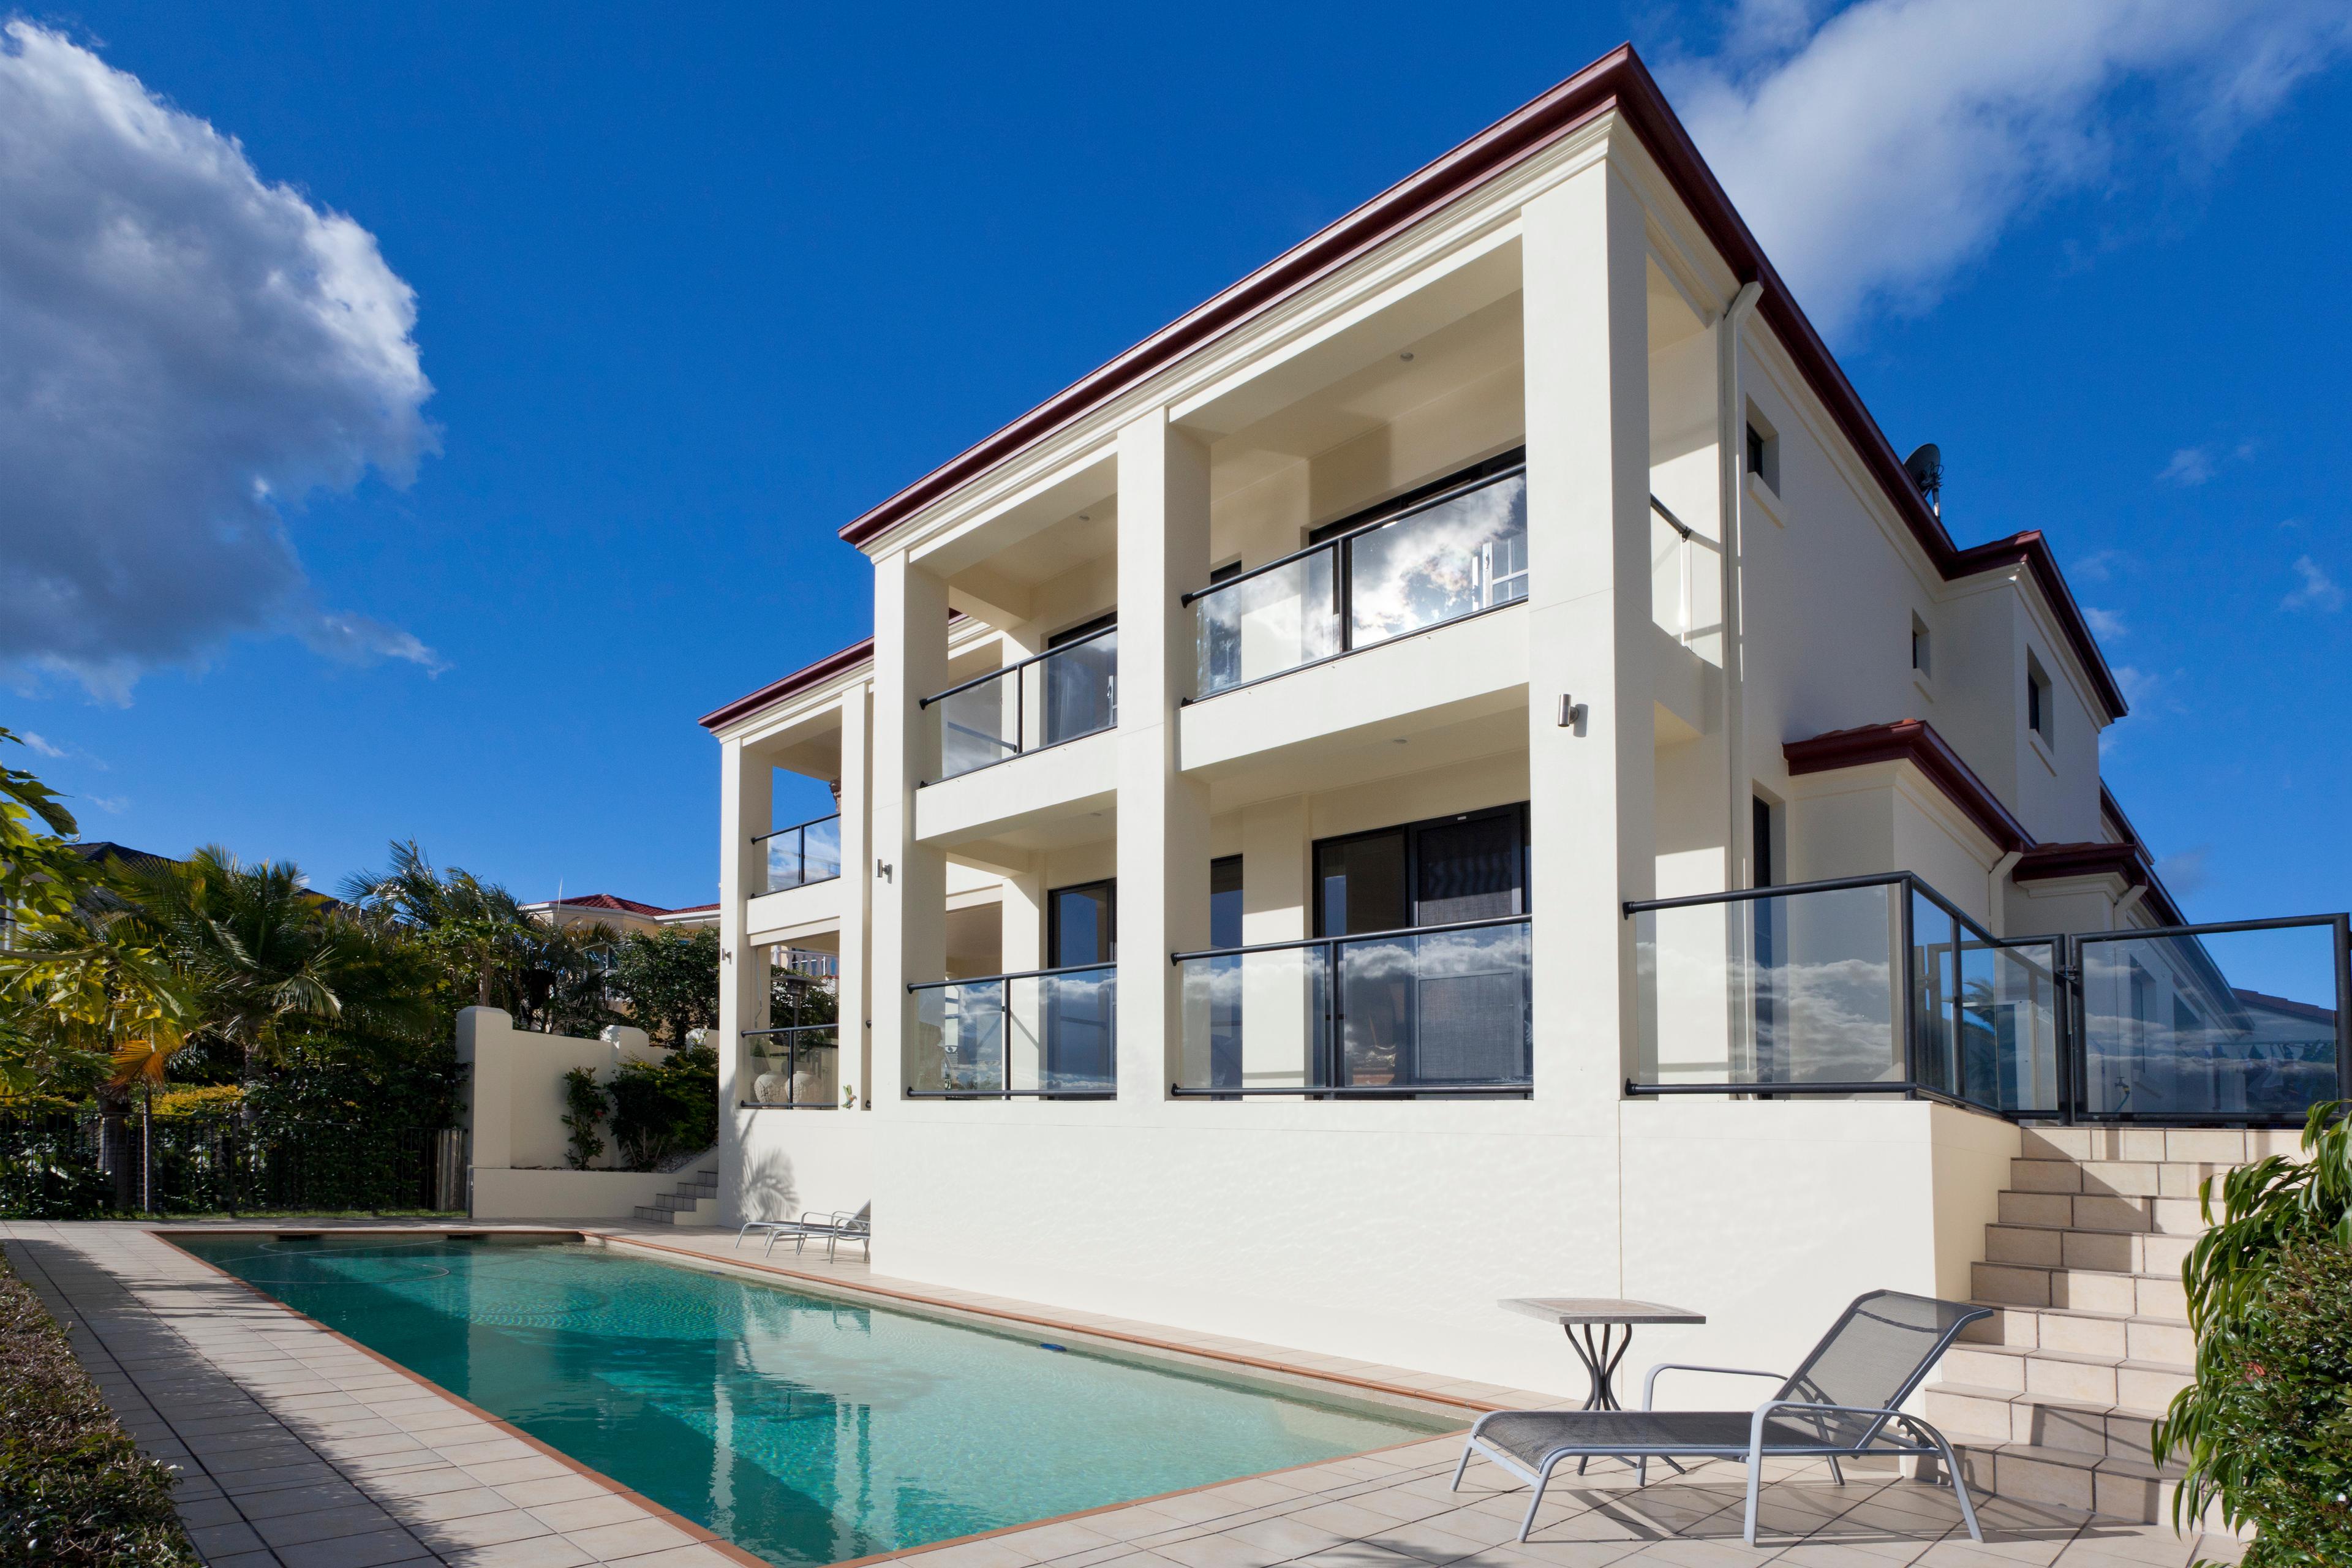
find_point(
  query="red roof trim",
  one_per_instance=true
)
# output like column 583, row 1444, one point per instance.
column 801, row 680
column 1617, row 80
column 1913, row 741
column 603, row 902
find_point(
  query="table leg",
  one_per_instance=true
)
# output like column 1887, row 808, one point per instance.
column 1601, row 1357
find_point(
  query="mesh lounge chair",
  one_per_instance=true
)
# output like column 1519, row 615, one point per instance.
column 834, row 1228
column 1839, row 1403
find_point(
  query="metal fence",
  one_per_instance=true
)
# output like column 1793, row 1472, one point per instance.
column 65, row 1165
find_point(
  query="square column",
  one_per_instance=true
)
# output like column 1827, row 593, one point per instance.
column 1591, row 841
column 1163, row 817
column 906, row 883
column 746, row 805
column 853, row 989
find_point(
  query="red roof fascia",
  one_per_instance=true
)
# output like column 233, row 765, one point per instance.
column 1913, row 741
column 801, row 680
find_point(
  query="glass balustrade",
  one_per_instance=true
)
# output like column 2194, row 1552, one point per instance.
column 796, row 1067
column 805, row 853
column 1045, row 1034
column 1440, row 560
column 1433, row 1011
column 1063, row 694
column 2222, row 1023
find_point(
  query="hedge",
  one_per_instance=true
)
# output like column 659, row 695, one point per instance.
column 73, row 1488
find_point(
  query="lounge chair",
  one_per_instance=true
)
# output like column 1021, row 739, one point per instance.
column 1841, row 1404
column 833, row 1228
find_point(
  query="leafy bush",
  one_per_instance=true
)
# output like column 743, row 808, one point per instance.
column 74, row 1492
column 45, row 1171
column 200, row 1099
column 661, row 1110
column 584, row 1105
column 2266, row 1429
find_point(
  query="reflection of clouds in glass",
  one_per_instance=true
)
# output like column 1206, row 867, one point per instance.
column 1427, row 568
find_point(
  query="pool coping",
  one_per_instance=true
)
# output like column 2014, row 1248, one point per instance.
column 702, row 1534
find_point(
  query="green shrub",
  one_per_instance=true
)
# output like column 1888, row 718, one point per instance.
column 74, row 1492
column 46, row 1172
column 2266, row 1429
column 584, row 1105
column 665, row 1108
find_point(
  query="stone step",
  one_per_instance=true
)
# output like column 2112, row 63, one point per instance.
column 2076, row 1332
column 2070, row 1375
column 2115, row 1252
column 2157, row 1296
column 2212, row 1145
column 2101, row 1212
column 658, row 1216
column 2113, row 1178
column 1967, row 1412
column 2118, row 1488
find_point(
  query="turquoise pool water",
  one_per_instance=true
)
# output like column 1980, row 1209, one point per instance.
column 802, row 1428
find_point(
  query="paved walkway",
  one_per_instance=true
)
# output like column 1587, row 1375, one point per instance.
column 299, row 1448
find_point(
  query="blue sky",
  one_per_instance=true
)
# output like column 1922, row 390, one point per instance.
column 690, row 295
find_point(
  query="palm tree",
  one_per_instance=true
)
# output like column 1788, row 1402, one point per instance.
column 268, row 957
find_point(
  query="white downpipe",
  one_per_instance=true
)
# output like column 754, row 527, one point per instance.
column 1731, row 444
column 1996, row 900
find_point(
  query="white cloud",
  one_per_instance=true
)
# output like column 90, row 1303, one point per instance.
column 2317, row 592
column 113, row 805
column 39, row 746
column 2185, row 873
column 1879, row 153
column 2105, row 623
column 2189, row 465
column 361, row 639
column 184, row 351
column 2099, row 565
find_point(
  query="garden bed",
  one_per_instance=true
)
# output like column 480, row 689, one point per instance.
column 73, row 1488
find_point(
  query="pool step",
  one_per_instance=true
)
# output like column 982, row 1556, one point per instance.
column 694, row 1201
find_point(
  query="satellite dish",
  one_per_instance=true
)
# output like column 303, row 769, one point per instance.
column 1926, row 468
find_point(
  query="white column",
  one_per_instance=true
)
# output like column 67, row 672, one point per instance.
column 746, row 801
column 1020, row 946
column 1276, row 887
column 853, row 988
column 907, row 881
column 1592, row 841
column 1163, row 817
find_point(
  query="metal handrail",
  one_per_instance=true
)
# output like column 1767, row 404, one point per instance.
column 793, row 1048
column 1352, row 936
column 1494, row 1088
column 1017, row 665
column 1017, row 974
column 1337, row 540
column 1677, row 524
column 793, row 1029
column 795, row 827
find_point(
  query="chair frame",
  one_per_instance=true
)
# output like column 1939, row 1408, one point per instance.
column 1876, row 1438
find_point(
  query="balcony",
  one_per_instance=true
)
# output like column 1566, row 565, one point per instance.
column 1880, row 986
column 1049, row 1034
column 797, row 1069
column 803, row 853
column 1428, row 1011
column 1442, row 558
column 1057, row 696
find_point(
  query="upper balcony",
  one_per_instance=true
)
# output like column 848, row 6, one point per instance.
column 1065, row 694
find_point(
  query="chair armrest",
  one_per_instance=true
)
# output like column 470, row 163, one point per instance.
column 1650, row 1383
column 1764, row 1411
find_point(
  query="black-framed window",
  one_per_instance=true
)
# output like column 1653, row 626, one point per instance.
column 1466, row 866
column 1082, row 924
column 1226, row 902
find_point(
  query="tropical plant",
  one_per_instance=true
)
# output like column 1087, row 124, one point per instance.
column 40, row 872
column 2265, row 1431
column 668, row 983
column 662, row 1109
column 585, row 1105
column 485, row 950
column 98, row 993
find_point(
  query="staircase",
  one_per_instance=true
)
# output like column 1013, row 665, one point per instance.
column 694, row 1201
column 2052, row 1399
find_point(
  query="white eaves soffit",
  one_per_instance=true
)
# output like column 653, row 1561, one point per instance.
column 1457, row 260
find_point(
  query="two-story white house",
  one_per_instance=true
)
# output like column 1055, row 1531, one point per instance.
column 1464, row 767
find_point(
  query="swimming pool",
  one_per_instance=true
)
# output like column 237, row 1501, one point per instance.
column 802, row 1428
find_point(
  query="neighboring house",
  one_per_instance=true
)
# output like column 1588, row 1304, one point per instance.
column 624, row 915
column 1258, row 796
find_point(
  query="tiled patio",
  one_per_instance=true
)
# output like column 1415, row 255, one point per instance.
column 301, row 1450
